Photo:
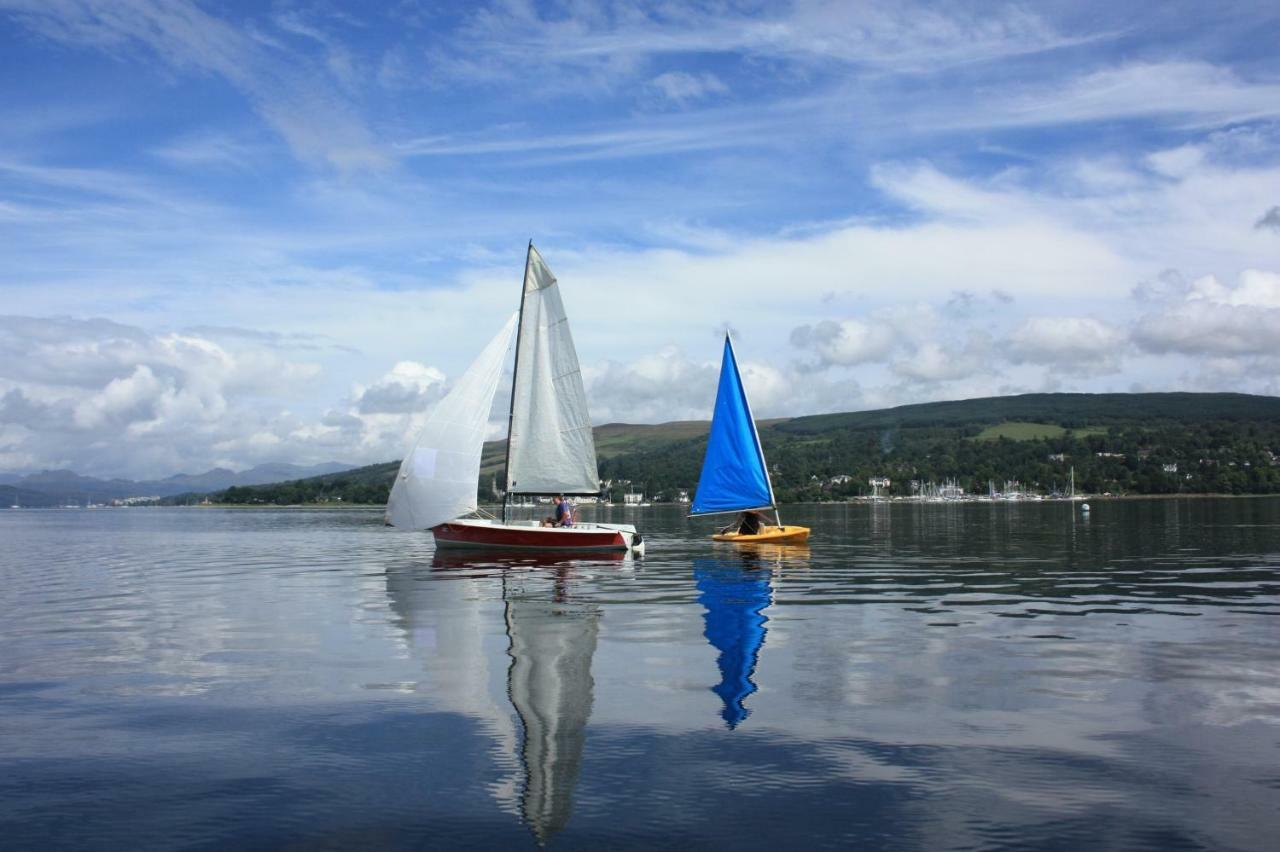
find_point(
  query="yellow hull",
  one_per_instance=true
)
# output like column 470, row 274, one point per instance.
column 767, row 535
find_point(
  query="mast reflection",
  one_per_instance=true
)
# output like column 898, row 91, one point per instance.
column 550, row 685
column 551, row 640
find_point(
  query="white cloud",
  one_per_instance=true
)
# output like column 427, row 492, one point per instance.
column 682, row 87
column 1068, row 344
column 1177, row 162
column 933, row 361
column 161, row 403
column 844, row 343
column 1210, row 318
column 1192, row 92
column 615, row 43
column 408, row 387
column 654, row 388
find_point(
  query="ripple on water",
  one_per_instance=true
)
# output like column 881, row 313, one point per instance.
column 918, row 677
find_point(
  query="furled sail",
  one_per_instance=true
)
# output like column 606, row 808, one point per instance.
column 733, row 470
column 439, row 475
column 551, row 449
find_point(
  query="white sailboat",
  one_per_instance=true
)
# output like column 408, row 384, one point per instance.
column 550, row 448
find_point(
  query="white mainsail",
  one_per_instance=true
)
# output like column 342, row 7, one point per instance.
column 551, row 449
column 439, row 475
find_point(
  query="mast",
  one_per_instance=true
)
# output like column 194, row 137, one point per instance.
column 755, row 433
column 515, row 367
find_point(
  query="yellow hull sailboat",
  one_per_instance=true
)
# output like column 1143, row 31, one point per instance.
column 734, row 475
column 768, row 534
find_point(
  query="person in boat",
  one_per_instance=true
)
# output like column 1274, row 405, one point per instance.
column 563, row 516
column 748, row 523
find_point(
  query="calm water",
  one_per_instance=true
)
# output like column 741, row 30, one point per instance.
column 921, row 677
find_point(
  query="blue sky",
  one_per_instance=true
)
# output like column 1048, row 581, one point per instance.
column 249, row 232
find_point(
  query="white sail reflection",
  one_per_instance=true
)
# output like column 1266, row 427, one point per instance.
column 550, row 640
column 448, row 627
column 553, row 640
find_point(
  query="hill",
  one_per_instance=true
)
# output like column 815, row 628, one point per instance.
column 1119, row 443
column 59, row 487
column 24, row 498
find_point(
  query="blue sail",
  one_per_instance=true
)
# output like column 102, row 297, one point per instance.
column 733, row 473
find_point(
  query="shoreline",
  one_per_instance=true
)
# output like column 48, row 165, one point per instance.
column 856, row 501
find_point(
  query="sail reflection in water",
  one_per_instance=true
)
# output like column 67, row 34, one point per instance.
column 553, row 639
column 735, row 595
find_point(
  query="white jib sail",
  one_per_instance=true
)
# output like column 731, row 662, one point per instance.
column 440, row 473
column 552, row 450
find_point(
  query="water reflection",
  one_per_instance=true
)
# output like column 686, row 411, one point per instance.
column 553, row 639
column 735, row 590
column 735, row 597
column 550, row 642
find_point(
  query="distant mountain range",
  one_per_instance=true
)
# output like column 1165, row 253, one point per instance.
column 58, row 487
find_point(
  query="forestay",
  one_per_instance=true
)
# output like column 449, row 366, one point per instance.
column 551, row 448
column 733, row 470
column 439, row 475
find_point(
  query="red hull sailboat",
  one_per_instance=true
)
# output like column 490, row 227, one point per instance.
column 550, row 447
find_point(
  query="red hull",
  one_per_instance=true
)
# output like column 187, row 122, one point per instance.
column 496, row 536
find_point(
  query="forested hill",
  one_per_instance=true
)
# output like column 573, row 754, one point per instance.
column 1063, row 409
column 1154, row 443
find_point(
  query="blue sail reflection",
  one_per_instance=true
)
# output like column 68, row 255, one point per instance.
column 735, row 598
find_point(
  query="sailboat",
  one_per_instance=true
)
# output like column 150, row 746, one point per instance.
column 549, row 450
column 734, row 475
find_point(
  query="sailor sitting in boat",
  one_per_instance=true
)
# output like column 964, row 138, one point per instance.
column 563, row 516
column 748, row 523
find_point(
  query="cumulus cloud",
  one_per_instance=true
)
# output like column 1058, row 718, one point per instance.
column 115, row 399
column 934, row 361
column 843, row 343
column 1079, row 345
column 408, row 387
column 1210, row 318
column 654, row 388
column 669, row 386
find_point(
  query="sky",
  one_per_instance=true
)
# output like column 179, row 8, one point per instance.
column 236, row 233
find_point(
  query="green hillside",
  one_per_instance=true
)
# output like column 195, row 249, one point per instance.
column 1117, row 443
column 1065, row 409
